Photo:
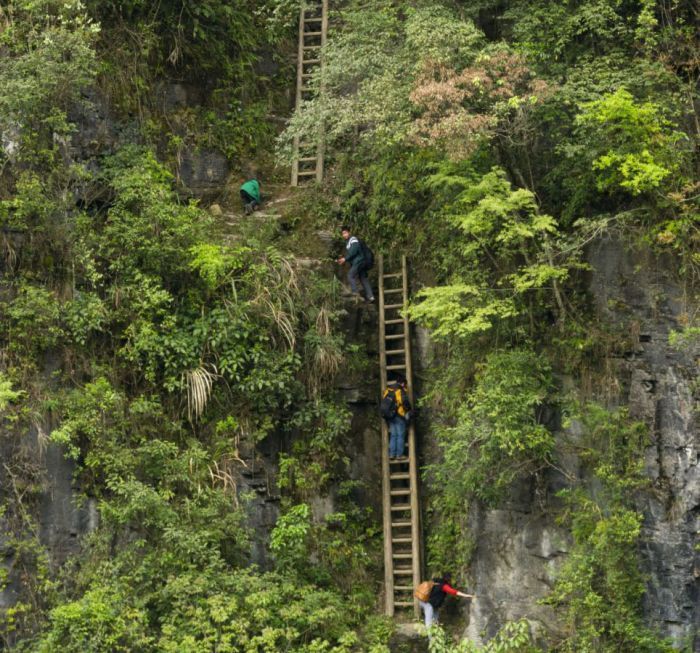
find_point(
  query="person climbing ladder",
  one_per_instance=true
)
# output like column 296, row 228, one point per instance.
column 431, row 595
column 395, row 409
column 361, row 259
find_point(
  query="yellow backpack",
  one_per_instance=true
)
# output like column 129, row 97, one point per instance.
column 422, row 592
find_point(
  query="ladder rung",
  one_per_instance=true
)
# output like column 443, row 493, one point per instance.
column 403, row 506
column 395, row 336
column 401, row 540
column 402, row 556
column 392, row 291
column 403, row 604
column 399, row 477
column 398, row 461
column 395, row 352
column 393, row 275
column 403, row 588
column 306, row 75
column 400, row 493
column 313, row 20
column 388, row 306
column 393, row 321
column 313, row 33
column 400, row 524
column 306, row 159
column 311, row 47
column 403, row 572
column 394, row 367
column 306, row 173
column 308, row 61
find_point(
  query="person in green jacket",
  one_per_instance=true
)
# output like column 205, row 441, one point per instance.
column 250, row 194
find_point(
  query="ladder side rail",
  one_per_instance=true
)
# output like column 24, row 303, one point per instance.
column 297, row 104
column 386, row 481
column 321, row 147
column 412, row 452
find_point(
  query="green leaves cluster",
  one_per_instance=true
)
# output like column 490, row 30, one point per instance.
column 501, row 250
column 238, row 611
column 495, row 437
column 514, row 637
column 642, row 147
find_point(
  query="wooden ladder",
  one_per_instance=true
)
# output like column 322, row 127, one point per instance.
column 401, row 508
column 307, row 162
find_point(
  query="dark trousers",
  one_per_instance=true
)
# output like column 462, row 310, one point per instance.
column 249, row 199
column 359, row 273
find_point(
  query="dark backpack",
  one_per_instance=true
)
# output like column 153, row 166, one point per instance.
column 367, row 254
column 388, row 408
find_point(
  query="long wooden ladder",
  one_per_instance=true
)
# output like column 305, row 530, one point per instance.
column 307, row 162
column 401, row 508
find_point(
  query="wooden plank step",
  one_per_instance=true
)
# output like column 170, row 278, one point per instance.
column 400, row 524
column 316, row 19
column 393, row 352
column 399, row 461
column 393, row 275
column 306, row 159
column 403, row 572
column 400, row 493
column 311, row 47
column 306, row 75
column 395, row 336
column 403, row 604
column 392, row 291
column 388, row 306
column 306, row 173
column 402, row 556
column 402, row 507
column 313, row 33
column 394, row 321
column 310, row 61
column 403, row 588
column 394, row 367
column 401, row 540
column 400, row 476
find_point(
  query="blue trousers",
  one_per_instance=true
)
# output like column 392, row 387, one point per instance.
column 397, row 436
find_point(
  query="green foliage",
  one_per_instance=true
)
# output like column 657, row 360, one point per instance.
column 103, row 620
column 491, row 222
column 33, row 321
column 49, row 61
column 636, row 147
column 361, row 95
column 513, row 637
column 497, row 434
column 7, row 394
column 237, row 611
column 496, row 437
column 315, row 458
column 289, row 539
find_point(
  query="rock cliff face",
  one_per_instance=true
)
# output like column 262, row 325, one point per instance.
column 519, row 547
column 660, row 385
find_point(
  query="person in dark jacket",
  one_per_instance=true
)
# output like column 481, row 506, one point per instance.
column 358, row 267
column 398, row 423
column 250, row 194
column 440, row 590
